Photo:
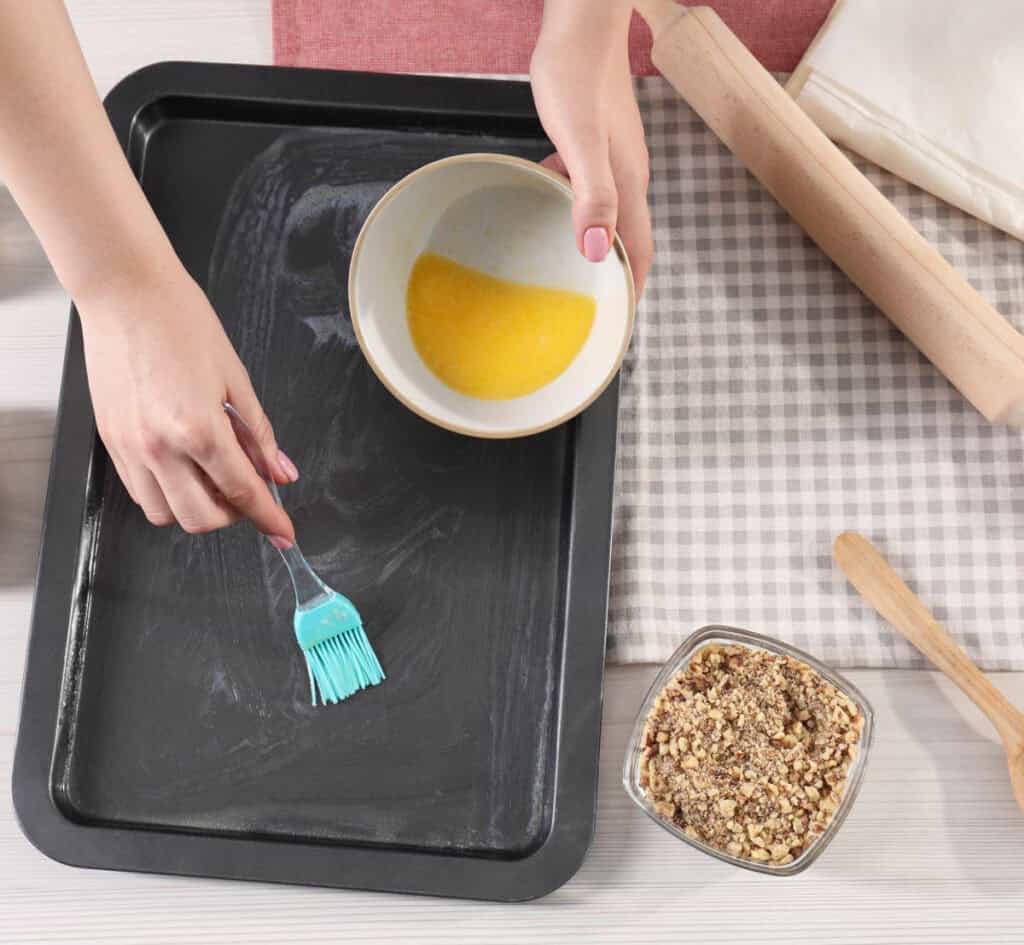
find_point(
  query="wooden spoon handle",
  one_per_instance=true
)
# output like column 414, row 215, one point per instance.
column 882, row 587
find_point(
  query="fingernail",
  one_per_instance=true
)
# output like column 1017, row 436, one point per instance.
column 595, row 243
column 287, row 466
column 280, row 542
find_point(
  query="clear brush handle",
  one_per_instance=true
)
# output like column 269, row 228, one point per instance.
column 309, row 589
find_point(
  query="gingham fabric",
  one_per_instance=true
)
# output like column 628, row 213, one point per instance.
column 767, row 406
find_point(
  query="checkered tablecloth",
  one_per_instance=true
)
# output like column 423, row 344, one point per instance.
column 767, row 406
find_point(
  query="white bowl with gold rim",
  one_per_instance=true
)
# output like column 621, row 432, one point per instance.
column 510, row 219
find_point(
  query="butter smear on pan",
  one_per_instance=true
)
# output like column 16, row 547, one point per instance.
column 748, row 752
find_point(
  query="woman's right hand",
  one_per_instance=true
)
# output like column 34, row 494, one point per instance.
column 160, row 369
column 583, row 90
column 160, row 366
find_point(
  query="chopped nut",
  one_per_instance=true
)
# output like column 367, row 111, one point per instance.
column 749, row 752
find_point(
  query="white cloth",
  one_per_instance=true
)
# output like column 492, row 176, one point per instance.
column 932, row 92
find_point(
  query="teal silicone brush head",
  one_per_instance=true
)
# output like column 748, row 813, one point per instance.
column 339, row 658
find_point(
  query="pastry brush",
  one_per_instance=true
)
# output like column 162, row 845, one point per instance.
column 339, row 658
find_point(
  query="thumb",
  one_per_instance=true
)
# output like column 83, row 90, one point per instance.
column 595, row 198
column 243, row 398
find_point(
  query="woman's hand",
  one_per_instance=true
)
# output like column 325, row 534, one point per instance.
column 160, row 366
column 160, row 369
column 583, row 90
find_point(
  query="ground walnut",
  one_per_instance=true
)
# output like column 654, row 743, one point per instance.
column 749, row 752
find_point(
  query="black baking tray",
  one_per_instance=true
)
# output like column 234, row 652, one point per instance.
column 166, row 724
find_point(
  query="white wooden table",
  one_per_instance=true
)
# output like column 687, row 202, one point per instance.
column 933, row 852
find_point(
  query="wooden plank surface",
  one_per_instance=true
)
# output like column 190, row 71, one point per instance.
column 933, row 853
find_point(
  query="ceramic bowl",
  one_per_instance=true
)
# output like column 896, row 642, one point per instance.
column 506, row 217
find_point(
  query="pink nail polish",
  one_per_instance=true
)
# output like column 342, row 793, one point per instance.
column 287, row 466
column 279, row 542
column 596, row 243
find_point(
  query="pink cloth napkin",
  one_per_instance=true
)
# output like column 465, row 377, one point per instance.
column 496, row 36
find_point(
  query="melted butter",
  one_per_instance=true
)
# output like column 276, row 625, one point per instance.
column 491, row 338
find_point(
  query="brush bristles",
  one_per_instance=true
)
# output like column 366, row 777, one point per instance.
column 342, row 665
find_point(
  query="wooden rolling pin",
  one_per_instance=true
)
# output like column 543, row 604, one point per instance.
column 863, row 233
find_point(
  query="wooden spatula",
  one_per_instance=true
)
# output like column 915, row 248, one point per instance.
column 882, row 587
column 841, row 210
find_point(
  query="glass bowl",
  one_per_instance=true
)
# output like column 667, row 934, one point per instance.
column 680, row 660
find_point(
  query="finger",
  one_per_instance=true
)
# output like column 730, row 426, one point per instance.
column 122, row 474
column 631, row 167
column 119, row 464
column 232, row 473
column 150, row 497
column 243, row 398
column 633, row 224
column 586, row 159
column 194, row 503
column 231, row 513
column 554, row 162
column 635, row 232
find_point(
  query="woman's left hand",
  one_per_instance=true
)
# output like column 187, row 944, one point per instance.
column 583, row 90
